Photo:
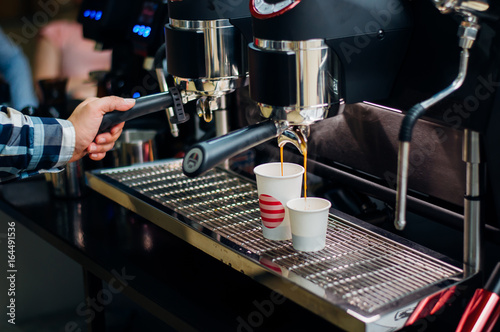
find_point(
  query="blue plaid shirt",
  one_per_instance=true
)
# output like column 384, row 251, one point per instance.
column 32, row 145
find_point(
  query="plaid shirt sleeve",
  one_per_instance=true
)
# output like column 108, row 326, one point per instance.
column 32, row 145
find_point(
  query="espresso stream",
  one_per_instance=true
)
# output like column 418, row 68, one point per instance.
column 304, row 147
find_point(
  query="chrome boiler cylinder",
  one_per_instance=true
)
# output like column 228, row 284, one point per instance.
column 216, row 65
column 308, row 75
column 206, row 51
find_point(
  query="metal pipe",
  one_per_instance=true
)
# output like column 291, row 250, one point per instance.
column 405, row 137
column 402, row 188
column 472, row 204
column 221, row 117
column 457, row 83
column 222, row 122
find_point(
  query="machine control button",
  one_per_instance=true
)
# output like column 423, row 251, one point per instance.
column 193, row 160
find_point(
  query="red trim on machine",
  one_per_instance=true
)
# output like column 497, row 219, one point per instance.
column 256, row 14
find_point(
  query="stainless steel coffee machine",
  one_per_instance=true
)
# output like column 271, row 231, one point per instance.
column 343, row 75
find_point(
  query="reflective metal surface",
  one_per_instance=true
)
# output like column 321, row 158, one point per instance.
column 317, row 81
column 448, row 6
column 361, row 276
column 481, row 313
column 162, row 271
column 297, row 136
column 70, row 182
column 472, row 203
column 402, row 188
column 225, row 70
column 407, row 127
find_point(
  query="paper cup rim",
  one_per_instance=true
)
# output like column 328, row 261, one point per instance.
column 327, row 207
column 256, row 170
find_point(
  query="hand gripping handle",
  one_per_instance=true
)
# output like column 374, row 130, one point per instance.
column 143, row 105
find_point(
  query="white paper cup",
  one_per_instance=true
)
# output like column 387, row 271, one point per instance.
column 309, row 222
column 274, row 192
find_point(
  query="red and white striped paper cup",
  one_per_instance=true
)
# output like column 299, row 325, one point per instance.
column 274, row 191
column 272, row 212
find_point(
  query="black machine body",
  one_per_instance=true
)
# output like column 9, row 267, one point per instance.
column 146, row 31
column 108, row 21
column 367, row 41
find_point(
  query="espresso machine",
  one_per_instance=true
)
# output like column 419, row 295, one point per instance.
column 133, row 32
column 326, row 58
column 338, row 78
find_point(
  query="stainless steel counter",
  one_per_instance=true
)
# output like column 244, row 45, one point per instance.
column 364, row 280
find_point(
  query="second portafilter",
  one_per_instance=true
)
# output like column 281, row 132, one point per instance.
column 314, row 98
column 206, row 51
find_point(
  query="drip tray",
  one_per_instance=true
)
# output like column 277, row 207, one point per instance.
column 360, row 281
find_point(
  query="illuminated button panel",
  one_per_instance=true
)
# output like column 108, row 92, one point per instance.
column 142, row 30
column 93, row 14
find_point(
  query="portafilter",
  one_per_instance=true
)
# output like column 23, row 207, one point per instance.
column 206, row 50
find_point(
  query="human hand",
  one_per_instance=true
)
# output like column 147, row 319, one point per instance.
column 86, row 119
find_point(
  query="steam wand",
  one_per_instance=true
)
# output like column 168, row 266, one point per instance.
column 467, row 32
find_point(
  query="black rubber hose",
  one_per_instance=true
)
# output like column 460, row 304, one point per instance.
column 409, row 121
column 160, row 55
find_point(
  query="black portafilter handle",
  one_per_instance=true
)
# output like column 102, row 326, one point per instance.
column 143, row 106
column 203, row 156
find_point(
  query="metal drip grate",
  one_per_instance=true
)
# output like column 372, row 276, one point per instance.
column 362, row 268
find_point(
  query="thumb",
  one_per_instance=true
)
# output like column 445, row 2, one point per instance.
column 112, row 103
